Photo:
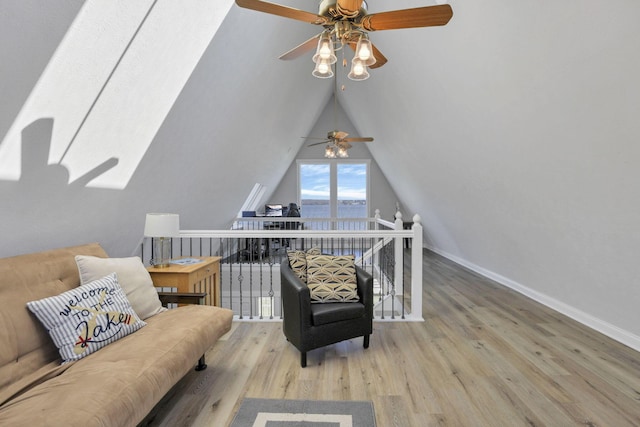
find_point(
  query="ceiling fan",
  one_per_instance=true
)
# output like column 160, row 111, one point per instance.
column 348, row 22
column 336, row 140
column 338, row 143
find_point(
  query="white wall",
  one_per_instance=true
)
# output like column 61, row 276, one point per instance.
column 517, row 142
column 381, row 195
column 205, row 154
column 30, row 35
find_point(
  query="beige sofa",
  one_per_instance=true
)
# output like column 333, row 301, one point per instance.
column 115, row 386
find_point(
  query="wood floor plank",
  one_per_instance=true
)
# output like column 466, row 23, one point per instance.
column 485, row 356
column 597, row 359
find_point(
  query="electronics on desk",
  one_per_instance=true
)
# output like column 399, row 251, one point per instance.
column 248, row 214
column 273, row 209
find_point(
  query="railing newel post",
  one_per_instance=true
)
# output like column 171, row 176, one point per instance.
column 416, row 268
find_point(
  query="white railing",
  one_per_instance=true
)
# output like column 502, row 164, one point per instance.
column 252, row 251
column 293, row 223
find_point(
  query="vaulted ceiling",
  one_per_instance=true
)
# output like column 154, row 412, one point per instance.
column 512, row 131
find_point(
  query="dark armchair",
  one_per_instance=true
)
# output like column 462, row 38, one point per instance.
column 309, row 326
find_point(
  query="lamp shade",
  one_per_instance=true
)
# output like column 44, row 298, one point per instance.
column 162, row 225
column 325, row 50
column 329, row 153
column 323, row 70
column 364, row 51
column 358, row 70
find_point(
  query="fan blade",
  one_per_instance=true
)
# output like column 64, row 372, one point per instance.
column 349, row 8
column 380, row 58
column 365, row 139
column 342, row 144
column 301, row 49
column 284, row 11
column 340, row 135
column 427, row 16
column 318, row 143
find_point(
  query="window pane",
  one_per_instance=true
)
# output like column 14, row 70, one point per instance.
column 352, row 190
column 334, row 189
column 315, row 190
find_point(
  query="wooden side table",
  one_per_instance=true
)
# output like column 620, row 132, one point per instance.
column 200, row 277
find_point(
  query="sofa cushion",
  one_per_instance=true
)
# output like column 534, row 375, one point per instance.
column 332, row 278
column 87, row 318
column 298, row 262
column 121, row 383
column 132, row 276
column 26, row 347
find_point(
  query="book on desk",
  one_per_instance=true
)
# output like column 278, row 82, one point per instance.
column 185, row 261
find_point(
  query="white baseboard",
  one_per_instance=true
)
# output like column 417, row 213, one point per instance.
column 612, row 331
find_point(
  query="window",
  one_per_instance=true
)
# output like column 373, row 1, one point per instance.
column 352, row 190
column 314, row 190
column 333, row 189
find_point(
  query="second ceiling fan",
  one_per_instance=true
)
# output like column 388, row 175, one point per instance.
column 348, row 22
column 337, row 141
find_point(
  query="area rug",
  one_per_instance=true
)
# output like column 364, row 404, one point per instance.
column 304, row 413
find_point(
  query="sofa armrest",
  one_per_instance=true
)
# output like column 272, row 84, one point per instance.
column 182, row 297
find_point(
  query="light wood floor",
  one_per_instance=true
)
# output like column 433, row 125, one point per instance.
column 485, row 356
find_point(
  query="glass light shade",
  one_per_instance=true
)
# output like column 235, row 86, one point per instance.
column 329, row 153
column 325, row 50
column 323, row 70
column 358, row 70
column 342, row 152
column 364, row 51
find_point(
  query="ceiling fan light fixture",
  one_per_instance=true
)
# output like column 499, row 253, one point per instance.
column 329, row 153
column 342, row 153
column 323, row 70
column 358, row 70
column 325, row 50
column 347, row 22
column 364, row 51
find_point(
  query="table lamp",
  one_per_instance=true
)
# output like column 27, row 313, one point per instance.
column 161, row 227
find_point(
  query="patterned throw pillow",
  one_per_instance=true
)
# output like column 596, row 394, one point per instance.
column 332, row 278
column 298, row 262
column 87, row 318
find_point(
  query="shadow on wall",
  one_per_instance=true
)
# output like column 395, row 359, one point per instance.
column 43, row 210
column 35, row 170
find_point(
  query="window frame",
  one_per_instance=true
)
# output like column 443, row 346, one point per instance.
column 333, row 180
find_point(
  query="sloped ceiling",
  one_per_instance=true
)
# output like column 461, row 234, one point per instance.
column 512, row 132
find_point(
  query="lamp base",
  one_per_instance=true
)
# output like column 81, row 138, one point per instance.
column 165, row 265
column 161, row 252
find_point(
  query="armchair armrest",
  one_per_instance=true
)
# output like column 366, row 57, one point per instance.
column 296, row 301
column 365, row 289
column 182, row 297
